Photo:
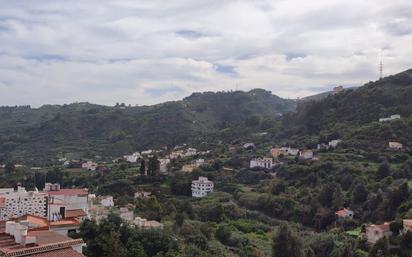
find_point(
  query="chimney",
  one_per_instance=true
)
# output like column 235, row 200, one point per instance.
column 20, row 233
column 10, row 227
column 47, row 187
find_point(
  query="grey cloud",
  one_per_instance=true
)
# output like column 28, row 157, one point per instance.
column 108, row 51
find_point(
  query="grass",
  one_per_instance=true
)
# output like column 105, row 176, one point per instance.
column 355, row 232
column 410, row 184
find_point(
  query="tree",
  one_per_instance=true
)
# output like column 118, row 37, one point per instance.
column 380, row 249
column 359, row 194
column 286, row 243
column 338, row 200
column 142, row 167
column 326, row 194
column 9, row 168
column 383, row 170
column 54, row 176
column 223, row 234
column 396, row 226
column 153, row 166
column 179, row 219
column 406, row 245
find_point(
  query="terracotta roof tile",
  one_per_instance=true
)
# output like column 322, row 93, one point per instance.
column 71, row 191
column 75, row 213
column 48, row 237
column 67, row 252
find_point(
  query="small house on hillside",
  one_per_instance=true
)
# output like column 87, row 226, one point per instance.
column 142, row 194
column 133, row 158
column 89, row 166
column 344, row 213
column 392, row 117
column 376, row 232
column 395, row 146
column 306, row 154
column 334, row 143
column 266, row 163
column 407, row 225
column 147, row 224
column 163, row 165
column 107, row 201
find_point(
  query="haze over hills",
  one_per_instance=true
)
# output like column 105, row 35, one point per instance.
column 87, row 129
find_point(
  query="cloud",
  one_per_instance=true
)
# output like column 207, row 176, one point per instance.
column 145, row 52
column 156, row 92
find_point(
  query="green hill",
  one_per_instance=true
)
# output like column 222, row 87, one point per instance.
column 354, row 113
column 84, row 129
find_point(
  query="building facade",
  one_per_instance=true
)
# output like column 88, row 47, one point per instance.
column 63, row 200
column 395, row 146
column 266, row 163
column 14, row 204
column 202, row 187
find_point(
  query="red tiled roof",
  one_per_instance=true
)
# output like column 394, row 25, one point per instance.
column 72, row 191
column 75, row 213
column 39, row 221
column 384, row 227
column 48, row 242
column 48, row 237
column 67, row 252
column 342, row 213
column 65, row 223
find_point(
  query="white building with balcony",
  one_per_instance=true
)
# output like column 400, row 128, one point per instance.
column 266, row 163
column 15, row 204
column 201, row 187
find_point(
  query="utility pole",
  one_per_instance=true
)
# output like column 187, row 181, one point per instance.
column 380, row 70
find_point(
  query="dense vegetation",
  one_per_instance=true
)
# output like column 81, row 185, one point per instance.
column 85, row 130
column 353, row 115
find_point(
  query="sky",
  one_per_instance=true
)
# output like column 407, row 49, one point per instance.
column 146, row 52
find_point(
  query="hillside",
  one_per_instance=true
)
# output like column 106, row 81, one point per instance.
column 353, row 114
column 84, row 129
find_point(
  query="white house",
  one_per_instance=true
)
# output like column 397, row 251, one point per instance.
column 89, row 165
column 147, row 152
column 306, row 154
column 163, row 163
column 395, row 146
column 293, row 151
column 107, row 201
column 14, row 204
column 202, row 187
column 176, row 154
column 133, row 158
column 200, row 162
column 334, row 143
column 392, row 117
column 266, row 163
column 190, row 152
column 62, row 201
